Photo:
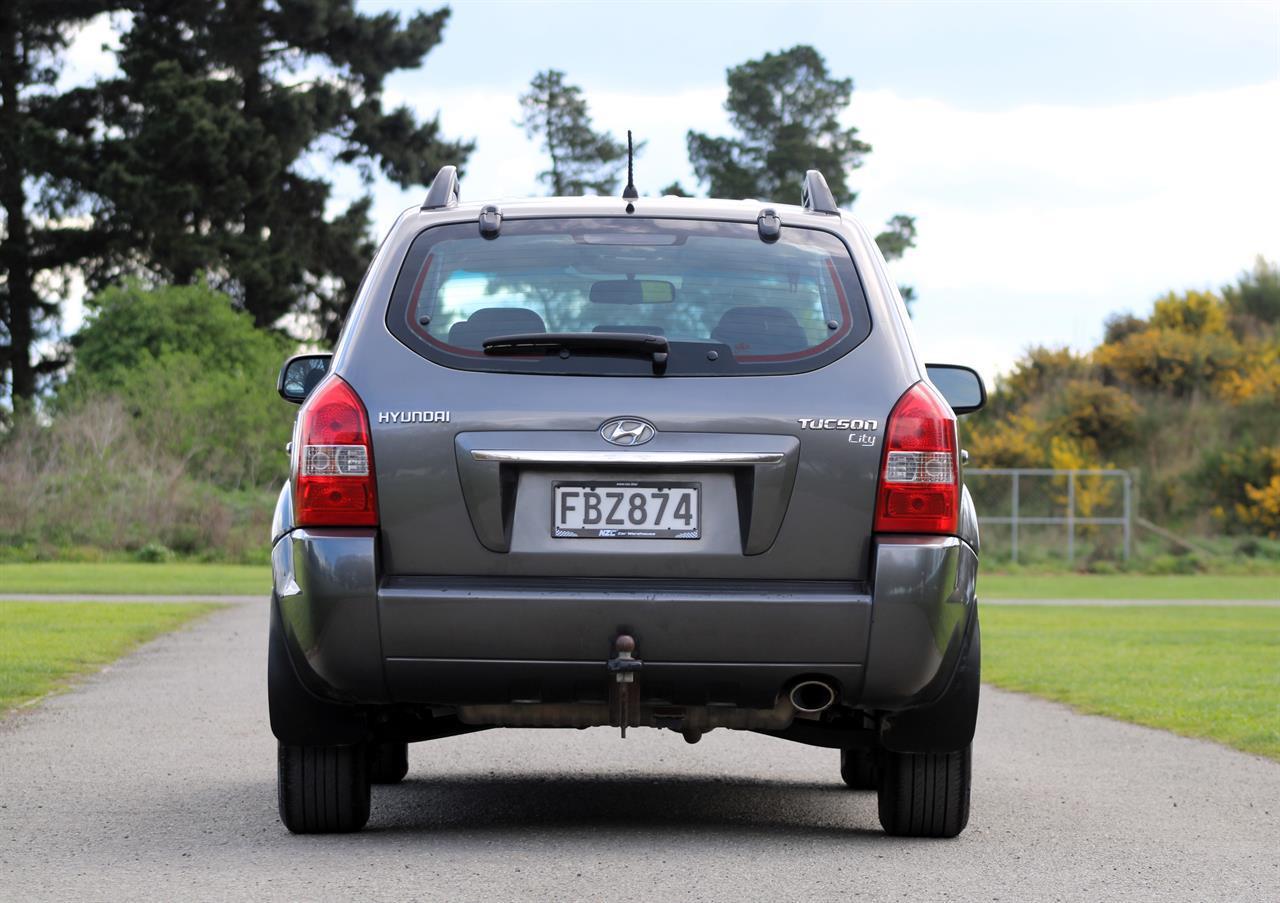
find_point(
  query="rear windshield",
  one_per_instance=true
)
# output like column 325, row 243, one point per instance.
column 726, row 302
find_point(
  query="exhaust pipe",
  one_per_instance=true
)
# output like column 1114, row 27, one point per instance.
column 812, row 696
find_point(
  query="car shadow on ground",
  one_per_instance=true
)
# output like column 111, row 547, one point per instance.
column 606, row 804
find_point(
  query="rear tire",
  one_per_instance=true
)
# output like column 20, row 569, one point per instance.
column 388, row 762
column 323, row 789
column 925, row 794
column 858, row 769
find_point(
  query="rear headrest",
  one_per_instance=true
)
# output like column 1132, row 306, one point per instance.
column 760, row 330
column 488, row 322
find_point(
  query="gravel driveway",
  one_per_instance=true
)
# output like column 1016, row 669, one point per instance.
column 155, row 780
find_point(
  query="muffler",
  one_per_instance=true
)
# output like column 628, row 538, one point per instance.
column 811, row 696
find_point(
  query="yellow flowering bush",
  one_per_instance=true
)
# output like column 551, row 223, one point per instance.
column 1093, row 493
column 1261, row 509
column 1011, row 442
column 1169, row 360
column 1106, row 415
column 1187, row 398
column 1257, row 381
column 1193, row 313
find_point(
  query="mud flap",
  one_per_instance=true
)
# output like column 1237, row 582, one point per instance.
column 298, row 717
column 948, row 724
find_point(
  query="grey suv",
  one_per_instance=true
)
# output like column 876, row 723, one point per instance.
column 637, row 462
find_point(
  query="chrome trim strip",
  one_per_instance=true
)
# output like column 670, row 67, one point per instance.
column 523, row 456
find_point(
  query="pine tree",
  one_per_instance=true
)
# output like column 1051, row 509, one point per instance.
column 223, row 116
column 786, row 108
column 582, row 159
column 42, row 159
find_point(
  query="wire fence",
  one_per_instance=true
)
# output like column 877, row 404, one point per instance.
column 1046, row 497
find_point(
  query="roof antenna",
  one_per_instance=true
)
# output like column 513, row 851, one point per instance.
column 629, row 193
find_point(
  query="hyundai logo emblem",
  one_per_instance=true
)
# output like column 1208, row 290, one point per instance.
column 627, row 431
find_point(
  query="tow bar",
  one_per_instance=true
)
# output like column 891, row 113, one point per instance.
column 625, row 692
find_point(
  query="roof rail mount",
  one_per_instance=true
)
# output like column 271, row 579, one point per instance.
column 444, row 190
column 769, row 225
column 490, row 221
column 815, row 196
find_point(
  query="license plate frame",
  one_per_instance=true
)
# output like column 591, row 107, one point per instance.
column 625, row 530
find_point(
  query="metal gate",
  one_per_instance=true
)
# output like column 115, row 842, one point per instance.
column 1070, row 518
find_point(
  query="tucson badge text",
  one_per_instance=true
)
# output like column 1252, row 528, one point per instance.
column 838, row 423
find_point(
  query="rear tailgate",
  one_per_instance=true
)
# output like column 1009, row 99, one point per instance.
column 473, row 495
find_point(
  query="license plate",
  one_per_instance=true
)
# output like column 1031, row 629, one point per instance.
column 626, row 510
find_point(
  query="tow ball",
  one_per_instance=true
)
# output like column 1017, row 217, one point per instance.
column 625, row 692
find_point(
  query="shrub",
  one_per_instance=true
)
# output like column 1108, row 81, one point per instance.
column 1246, row 485
column 88, row 480
column 1258, row 379
column 1040, row 370
column 1193, row 313
column 1256, row 294
column 195, row 377
column 1120, row 326
column 131, row 323
column 1175, row 564
column 1106, row 415
column 167, row 438
column 1010, row 442
column 1094, row 493
column 1168, row 360
column 1261, row 511
column 155, row 553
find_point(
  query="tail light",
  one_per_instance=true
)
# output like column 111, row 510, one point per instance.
column 920, row 476
column 333, row 469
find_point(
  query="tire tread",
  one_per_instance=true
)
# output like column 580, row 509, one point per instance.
column 925, row 794
column 323, row 789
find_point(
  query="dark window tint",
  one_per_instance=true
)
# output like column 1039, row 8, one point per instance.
column 727, row 302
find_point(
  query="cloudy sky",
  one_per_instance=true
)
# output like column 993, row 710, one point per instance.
column 1064, row 161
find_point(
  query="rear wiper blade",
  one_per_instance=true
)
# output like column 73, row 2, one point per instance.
column 654, row 347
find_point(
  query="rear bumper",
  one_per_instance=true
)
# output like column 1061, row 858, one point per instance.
column 702, row 642
column 358, row 638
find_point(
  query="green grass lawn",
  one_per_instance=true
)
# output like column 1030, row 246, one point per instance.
column 131, row 579
column 44, row 644
column 1211, row 672
column 1122, row 586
